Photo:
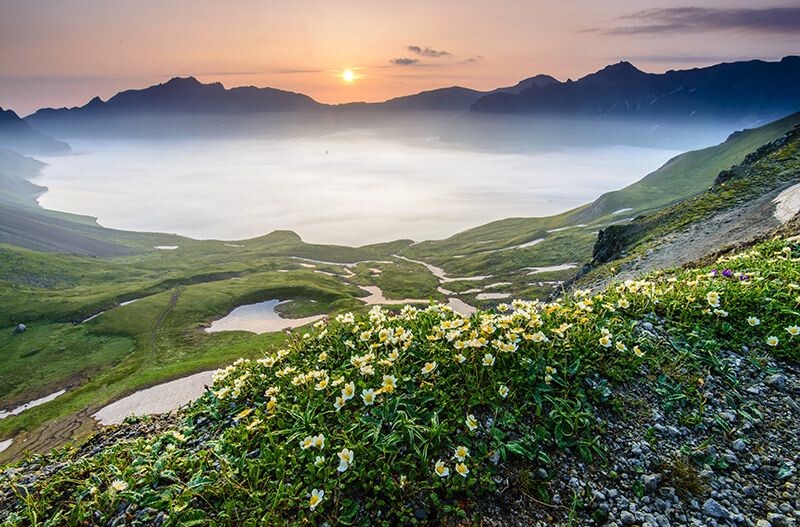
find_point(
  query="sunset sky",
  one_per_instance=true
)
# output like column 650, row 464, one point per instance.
column 63, row 52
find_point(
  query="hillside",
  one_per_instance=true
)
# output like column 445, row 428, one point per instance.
column 660, row 400
column 665, row 398
column 746, row 92
column 515, row 250
column 746, row 202
column 24, row 224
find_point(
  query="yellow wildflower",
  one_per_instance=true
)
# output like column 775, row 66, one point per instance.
column 712, row 297
column 472, row 422
column 316, row 498
column 348, row 391
column 429, row 368
column 461, row 453
column 368, row 395
column 389, row 383
column 244, row 413
column 339, row 403
column 345, row 459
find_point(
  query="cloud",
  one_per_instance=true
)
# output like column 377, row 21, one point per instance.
column 697, row 19
column 404, row 61
column 428, row 52
column 470, row 60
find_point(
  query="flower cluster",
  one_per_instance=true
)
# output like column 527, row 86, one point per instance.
column 428, row 402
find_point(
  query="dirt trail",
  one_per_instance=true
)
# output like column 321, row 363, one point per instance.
column 50, row 435
column 160, row 320
column 740, row 224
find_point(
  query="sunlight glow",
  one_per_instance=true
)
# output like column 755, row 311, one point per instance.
column 348, row 76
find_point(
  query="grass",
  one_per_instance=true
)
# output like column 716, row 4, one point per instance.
column 130, row 347
column 369, row 417
column 49, row 357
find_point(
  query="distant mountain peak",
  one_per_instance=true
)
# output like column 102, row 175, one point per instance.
column 620, row 72
column 542, row 79
column 622, row 65
column 189, row 83
column 9, row 114
column 184, row 81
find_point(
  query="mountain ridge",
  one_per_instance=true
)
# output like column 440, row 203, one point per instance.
column 747, row 90
column 18, row 134
column 756, row 90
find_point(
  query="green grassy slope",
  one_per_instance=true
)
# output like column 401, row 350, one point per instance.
column 680, row 178
column 441, row 411
column 768, row 170
column 127, row 348
column 693, row 172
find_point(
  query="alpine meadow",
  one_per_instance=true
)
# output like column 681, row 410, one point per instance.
column 270, row 264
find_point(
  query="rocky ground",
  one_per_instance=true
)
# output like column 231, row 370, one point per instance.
column 35, row 469
column 740, row 225
column 737, row 466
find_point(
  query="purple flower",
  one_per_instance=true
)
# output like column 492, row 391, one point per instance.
column 714, row 272
column 727, row 273
column 744, row 277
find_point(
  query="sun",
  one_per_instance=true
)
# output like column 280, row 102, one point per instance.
column 348, row 76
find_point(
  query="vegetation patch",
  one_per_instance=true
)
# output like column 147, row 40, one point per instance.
column 395, row 418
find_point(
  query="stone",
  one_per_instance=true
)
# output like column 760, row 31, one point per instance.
column 627, row 518
column 739, row 445
column 776, row 381
column 779, row 520
column 714, row 509
column 651, row 481
column 20, row 328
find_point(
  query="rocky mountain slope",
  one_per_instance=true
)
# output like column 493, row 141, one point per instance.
column 747, row 202
column 668, row 400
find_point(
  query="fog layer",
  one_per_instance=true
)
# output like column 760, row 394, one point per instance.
column 351, row 187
